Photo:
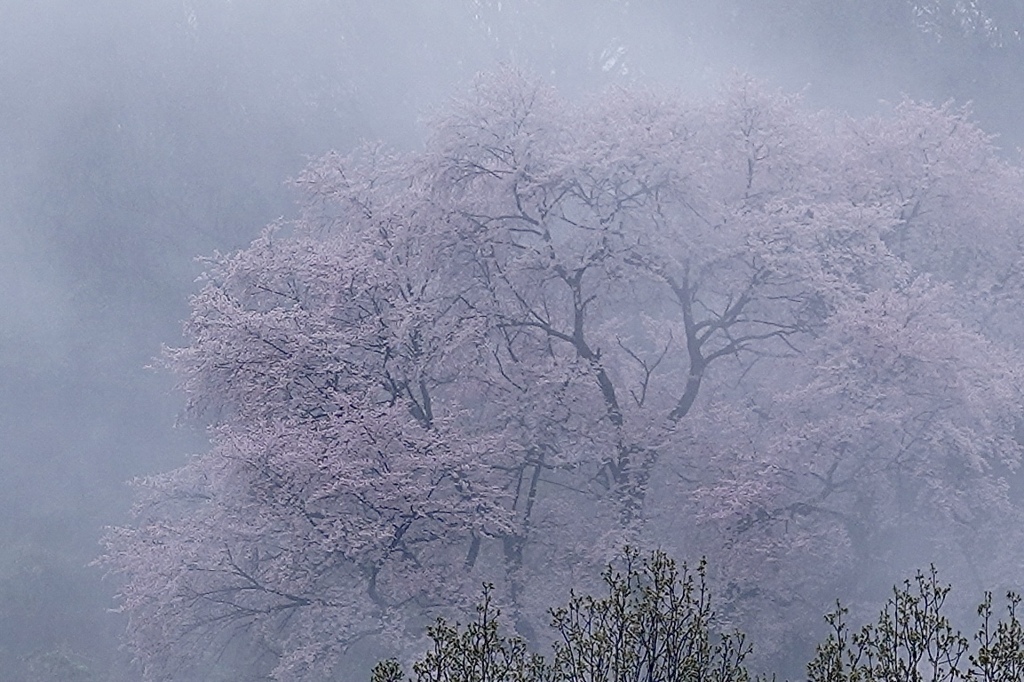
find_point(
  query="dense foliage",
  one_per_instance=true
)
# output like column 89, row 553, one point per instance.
column 781, row 338
column 913, row 640
column 657, row 623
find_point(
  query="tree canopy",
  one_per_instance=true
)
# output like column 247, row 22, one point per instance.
column 730, row 326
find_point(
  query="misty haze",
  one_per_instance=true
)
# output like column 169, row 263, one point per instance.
column 319, row 315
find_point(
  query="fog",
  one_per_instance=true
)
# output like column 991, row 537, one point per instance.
column 138, row 136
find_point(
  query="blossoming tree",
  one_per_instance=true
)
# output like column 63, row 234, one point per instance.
column 730, row 326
